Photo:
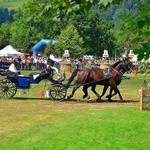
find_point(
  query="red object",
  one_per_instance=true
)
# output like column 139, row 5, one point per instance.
column 41, row 93
column 84, row 61
column 114, row 72
column 134, row 73
column 27, row 54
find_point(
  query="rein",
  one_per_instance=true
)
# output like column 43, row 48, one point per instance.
column 91, row 82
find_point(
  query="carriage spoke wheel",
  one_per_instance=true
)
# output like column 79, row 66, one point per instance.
column 7, row 89
column 57, row 92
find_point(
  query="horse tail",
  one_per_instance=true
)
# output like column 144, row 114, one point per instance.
column 73, row 75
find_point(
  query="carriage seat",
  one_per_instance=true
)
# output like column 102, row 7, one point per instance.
column 35, row 74
column 45, row 74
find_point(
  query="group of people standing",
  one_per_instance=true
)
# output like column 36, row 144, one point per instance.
column 42, row 63
column 51, row 62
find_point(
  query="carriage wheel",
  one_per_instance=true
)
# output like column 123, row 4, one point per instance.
column 7, row 89
column 57, row 92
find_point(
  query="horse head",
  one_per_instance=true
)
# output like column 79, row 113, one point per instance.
column 123, row 66
column 128, row 65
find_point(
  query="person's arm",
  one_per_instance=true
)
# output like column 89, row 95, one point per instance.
column 54, row 59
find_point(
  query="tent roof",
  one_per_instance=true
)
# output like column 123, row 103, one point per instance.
column 10, row 51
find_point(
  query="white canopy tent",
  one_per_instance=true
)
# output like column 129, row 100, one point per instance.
column 10, row 51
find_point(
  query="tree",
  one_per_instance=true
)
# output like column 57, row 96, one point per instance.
column 70, row 39
column 134, row 29
column 5, row 34
column 6, row 15
column 60, row 8
column 36, row 19
column 27, row 31
column 96, row 33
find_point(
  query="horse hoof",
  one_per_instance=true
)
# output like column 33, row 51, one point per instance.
column 107, row 96
column 109, row 100
column 88, row 97
column 68, row 97
column 89, row 101
column 98, row 100
column 84, row 96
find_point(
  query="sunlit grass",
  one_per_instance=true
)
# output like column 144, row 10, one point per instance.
column 28, row 122
column 58, row 125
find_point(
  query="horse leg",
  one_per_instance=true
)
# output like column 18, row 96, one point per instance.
column 94, row 91
column 104, row 90
column 113, row 86
column 120, row 96
column 77, row 84
column 116, row 90
column 71, row 78
column 85, row 90
column 110, row 94
column 73, row 91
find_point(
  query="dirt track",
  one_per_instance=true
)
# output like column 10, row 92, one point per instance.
column 89, row 105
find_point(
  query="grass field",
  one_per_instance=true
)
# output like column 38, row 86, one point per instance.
column 28, row 122
column 12, row 4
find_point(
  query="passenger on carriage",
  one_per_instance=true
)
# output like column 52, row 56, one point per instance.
column 54, row 63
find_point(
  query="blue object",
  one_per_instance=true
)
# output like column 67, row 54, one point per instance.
column 41, row 44
column 4, row 65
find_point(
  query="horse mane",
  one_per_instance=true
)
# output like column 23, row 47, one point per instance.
column 116, row 63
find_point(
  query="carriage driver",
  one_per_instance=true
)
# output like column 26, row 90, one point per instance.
column 54, row 63
column 12, row 68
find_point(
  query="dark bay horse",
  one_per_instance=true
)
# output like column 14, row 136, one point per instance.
column 118, row 69
column 94, row 76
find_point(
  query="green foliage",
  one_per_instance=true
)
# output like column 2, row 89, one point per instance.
column 96, row 33
column 145, row 68
column 135, row 30
column 70, row 39
column 5, row 34
column 60, row 8
column 27, row 31
column 31, row 25
column 48, row 49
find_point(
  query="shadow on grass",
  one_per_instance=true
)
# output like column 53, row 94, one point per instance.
column 77, row 100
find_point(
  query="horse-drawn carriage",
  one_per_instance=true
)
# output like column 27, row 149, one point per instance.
column 58, row 91
column 12, row 81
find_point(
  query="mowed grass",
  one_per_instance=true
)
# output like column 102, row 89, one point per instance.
column 12, row 4
column 33, row 123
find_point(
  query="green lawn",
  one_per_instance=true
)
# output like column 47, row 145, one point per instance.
column 33, row 123
column 12, row 4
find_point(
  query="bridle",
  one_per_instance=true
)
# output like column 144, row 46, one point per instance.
column 123, row 67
